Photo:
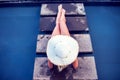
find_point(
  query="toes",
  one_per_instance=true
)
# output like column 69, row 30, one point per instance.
column 60, row 7
column 63, row 11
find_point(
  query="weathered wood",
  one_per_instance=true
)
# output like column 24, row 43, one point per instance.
column 86, row 70
column 84, row 42
column 71, row 9
column 73, row 23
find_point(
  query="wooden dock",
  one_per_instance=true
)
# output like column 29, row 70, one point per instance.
column 78, row 27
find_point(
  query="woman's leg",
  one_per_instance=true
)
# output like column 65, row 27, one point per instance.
column 63, row 26
column 65, row 31
column 56, row 30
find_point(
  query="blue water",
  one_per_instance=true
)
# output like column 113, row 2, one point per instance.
column 104, row 24
column 19, row 27
column 18, row 35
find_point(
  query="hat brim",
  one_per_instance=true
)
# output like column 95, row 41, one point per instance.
column 67, row 40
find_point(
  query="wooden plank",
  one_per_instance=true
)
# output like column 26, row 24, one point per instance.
column 84, row 42
column 86, row 70
column 73, row 23
column 71, row 9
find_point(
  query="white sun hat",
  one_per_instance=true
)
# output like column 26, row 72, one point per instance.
column 62, row 50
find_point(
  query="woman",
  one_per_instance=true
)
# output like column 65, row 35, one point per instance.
column 62, row 50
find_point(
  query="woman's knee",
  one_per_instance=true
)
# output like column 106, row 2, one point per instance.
column 75, row 64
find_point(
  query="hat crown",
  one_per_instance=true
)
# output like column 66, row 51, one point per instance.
column 62, row 53
column 61, row 50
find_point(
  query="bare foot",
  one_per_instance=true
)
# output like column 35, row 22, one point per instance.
column 63, row 19
column 59, row 14
column 60, row 8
